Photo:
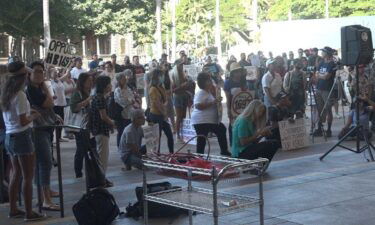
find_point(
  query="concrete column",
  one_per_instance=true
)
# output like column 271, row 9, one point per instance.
column 10, row 39
column 84, row 46
column 97, row 46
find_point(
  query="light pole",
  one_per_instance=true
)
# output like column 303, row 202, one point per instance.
column 327, row 9
column 217, row 31
column 46, row 25
column 159, row 44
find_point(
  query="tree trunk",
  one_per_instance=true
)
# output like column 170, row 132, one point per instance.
column 174, row 41
column 31, row 50
column 159, row 44
column 46, row 25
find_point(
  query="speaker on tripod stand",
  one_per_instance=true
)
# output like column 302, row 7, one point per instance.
column 357, row 49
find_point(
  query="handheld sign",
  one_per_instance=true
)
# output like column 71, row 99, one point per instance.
column 251, row 72
column 151, row 137
column 188, row 132
column 239, row 102
column 60, row 53
column 191, row 71
column 293, row 135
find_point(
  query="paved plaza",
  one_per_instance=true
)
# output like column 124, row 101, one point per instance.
column 299, row 189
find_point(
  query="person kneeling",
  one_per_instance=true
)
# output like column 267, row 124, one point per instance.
column 131, row 148
column 248, row 131
column 365, row 107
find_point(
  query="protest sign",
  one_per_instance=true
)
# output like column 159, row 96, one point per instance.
column 151, row 137
column 191, row 71
column 60, row 53
column 293, row 134
column 239, row 102
column 343, row 74
column 251, row 72
column 188, row 132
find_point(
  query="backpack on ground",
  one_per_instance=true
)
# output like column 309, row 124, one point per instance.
column 155, row 210
column 97, row 207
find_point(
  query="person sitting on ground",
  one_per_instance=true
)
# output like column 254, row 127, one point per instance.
column 131, row 148
column 249, row 131
column 279, row 112
column 365, row 107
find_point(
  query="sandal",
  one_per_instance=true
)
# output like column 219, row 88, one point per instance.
column 52, row 207
column 18, row 214
column 35, row 216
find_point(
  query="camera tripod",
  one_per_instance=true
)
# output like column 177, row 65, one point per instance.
column 357, row 130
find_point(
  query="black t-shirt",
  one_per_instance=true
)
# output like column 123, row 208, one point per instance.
column 117, row 68
column 276, row 114
column 326, row 67
column 35, row 95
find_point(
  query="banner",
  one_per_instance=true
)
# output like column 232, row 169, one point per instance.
column 239, row 102
column 293, row 135
column 188, row 132
column 251, row 72
column 151, row 137
column 60, row 53
column 191, row 71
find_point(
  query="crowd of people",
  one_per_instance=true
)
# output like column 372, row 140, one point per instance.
column 108, row 97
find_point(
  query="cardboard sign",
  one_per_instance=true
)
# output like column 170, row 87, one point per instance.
column 151, row 137
column 140, row 80
column 60, row 53
column 191, row 71
column 239, row 102
column 293, row 135
column 252, row 72
column 188, row 132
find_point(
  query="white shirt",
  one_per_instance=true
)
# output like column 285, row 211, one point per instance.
column 68, row 86
column 59, row 92
column 18, row 105
column 274, row 83
column 207, row 115
column 75, row 72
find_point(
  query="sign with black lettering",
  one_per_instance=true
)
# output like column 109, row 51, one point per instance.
column 60, row 53
column 191, row 71
column 240, row 101
column 188, row 132
column 151, row 137
column 293, row 134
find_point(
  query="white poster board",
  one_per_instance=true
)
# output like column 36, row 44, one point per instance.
column 191, row 71
column 251, row 72
column 343, row 74
column 188, row 132
column 239, row 102
column 60, row 53
column 293, row 135
column 151, row 137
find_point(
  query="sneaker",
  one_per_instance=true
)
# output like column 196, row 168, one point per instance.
column 328, row 133
column 318, row 133
column 34, row 217
column 64, row 140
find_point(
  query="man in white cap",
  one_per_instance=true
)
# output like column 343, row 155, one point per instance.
column 272, row 84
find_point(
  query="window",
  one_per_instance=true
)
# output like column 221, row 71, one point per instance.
column 4, row 47
column 105, row 44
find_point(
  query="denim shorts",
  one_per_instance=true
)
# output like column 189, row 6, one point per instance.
column 18, row 144
column 180, row 101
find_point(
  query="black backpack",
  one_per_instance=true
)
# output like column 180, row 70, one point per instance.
column 97, row 207
column 155, row 210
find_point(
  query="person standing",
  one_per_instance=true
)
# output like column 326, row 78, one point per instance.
column 70, row 87
column 117, row 68
column 125, row 98
column 295, row 85
column 93, row 65
column 168, row 91
column 80, row 102
column 129, row 66
column 326, row 76
column 18, row 118
column 100, row 123
column 41, row 99
column 139, row 72
column 158, row 103
column 272, row 84
column 59, row 98
column 243, row 62
column 77, row 69
column 205, row 116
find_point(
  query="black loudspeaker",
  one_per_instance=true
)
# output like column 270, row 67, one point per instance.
column 356, row 45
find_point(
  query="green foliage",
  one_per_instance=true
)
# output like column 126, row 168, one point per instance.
column 315, row 9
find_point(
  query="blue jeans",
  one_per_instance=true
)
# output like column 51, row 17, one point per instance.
column 43, row 152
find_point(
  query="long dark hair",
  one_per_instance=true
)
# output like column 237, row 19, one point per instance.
column 13, row 84
column 101, row 83
column 81, row 82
